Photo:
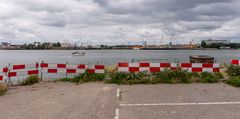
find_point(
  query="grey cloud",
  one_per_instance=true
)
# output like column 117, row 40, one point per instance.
column 117, row 21
column 56, row 23
column 200, row 25
column 151, row 6
column 55, row 20
column 43, row 5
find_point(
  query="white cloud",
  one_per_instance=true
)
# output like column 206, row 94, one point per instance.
column 118, row 21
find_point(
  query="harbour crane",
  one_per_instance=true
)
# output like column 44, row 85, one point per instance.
column 171, row 39
column 191, row 44
column 76, row 43
column 161, row 40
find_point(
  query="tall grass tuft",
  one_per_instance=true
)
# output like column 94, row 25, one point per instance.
column 88, row 77
column 3, row 89
column 111, row 69
column 118, row 78
column 166, row 76
column 174, row 76
column 129, row 78
column 233, row 70
column 234, row 81
column 207, row 77
column 31, row 80
column 64, row 79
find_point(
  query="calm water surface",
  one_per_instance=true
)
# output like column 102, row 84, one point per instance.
column 108, row 57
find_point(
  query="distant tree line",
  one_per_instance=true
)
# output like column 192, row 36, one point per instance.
column 38, row 45
column 220, row 45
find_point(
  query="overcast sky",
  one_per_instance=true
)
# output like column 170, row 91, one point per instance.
column 119, row 21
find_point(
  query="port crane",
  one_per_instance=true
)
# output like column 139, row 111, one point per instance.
column 171, row 39
column 76, row 43
column 191, row 45
column 161, row 40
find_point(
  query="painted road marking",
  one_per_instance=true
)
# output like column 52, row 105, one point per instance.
column 116, row 114
column 117, row 109
column 180, row 104
column 118, row 93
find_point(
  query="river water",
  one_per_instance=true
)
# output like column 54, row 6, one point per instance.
column 109, row 57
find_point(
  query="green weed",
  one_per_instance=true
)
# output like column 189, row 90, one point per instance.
column 31, row 80
column 233, row 70
column 207, row 77
column 234, row 81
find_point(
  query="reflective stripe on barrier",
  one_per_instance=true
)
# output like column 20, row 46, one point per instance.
column 157, row 67
column 44, row 65
column 52, row 71
column 61, row 65
column 16, row 67
column 32, row 72
column 1, row 77
column 4, row 70
column 12, row 74
column 235, row 62
column 71, row 71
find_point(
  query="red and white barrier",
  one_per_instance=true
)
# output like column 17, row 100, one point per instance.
column 200, row 67
column 48, row 68
column 99, row 69
column 22, row 70
column 62, row 68
column 53, row 68
column 157, row 67
column 22, row 73
column 235, row 62
column 149, row 67
column 71, row 69
column 3, row 72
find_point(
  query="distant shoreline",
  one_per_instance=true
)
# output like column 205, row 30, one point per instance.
column 129, row 49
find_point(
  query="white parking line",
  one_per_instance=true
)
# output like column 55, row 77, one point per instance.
column 181, row 104
column 118, row 93
column 116, row 114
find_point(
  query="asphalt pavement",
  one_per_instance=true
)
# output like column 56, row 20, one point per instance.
column 49, row 100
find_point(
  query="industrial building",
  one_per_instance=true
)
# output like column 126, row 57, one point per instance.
column 210, row 41
column 66, row 45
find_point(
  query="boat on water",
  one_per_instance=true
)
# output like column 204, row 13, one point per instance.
column 78, row 53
